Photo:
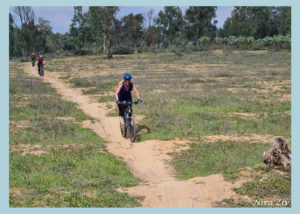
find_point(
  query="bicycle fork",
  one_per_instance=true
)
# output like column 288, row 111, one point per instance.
column 127, row 121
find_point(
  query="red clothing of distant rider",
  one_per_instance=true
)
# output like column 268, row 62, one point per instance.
column 40, row 60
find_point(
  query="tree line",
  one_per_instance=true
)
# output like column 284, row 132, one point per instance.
column 100, row 31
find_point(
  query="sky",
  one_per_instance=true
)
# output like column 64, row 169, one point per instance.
column 60, row 17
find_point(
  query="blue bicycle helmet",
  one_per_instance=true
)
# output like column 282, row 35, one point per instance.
column 127, row 76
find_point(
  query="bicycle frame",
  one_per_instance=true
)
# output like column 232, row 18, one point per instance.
column 128, row 111
column 129, row 118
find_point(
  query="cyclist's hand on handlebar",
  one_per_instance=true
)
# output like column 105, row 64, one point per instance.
column 139, row 100
column 118, row 101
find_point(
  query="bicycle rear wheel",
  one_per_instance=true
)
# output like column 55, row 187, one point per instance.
column 132, row 130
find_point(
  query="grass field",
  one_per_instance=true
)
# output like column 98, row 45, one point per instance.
column 54, row 162
column 193, row 95
column 230, row 108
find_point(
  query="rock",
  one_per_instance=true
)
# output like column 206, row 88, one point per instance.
column 278, row 154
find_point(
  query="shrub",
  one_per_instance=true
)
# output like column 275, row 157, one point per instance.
column 123, row 49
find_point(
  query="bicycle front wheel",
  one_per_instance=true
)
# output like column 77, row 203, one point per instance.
column 123, row 130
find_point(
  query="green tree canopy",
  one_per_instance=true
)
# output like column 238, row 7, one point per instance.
column 170, row 22
column 200, row 22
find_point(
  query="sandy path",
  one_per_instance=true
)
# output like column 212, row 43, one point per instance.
column 147, row 160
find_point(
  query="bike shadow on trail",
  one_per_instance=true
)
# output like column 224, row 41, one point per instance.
column 140, row 128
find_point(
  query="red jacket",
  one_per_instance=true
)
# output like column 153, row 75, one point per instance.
column 40, row 61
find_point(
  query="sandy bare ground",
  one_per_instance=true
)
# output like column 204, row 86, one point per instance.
column 147, row 160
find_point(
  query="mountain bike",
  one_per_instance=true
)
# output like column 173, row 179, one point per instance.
column 41, row 70
column 129, row 129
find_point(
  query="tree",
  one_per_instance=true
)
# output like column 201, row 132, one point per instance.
column 131, row 28
column 44, row 32
column 285, row 20
column 200, row 22
column 79, row 28
column 28, row 30
column 104, row 20
column 257, row 22
column 11, row 36
column 149, row 32
column 260, row 19
column 170, row 22
column 239, row 23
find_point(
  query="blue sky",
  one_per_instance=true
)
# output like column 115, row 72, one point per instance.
column 60, row 17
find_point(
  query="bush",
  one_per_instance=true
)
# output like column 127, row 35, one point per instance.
column 80, row 52
column 25, row 59
column 276, row 42
column 123, row 49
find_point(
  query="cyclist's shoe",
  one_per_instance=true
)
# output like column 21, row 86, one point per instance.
column 139, row 100
column 118, row 101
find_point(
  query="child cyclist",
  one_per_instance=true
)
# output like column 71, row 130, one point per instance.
column 33, row 59
column 123, row 93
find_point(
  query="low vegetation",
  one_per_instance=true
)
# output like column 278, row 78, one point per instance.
column 193, row 97
column 207, row 158
column 265, row 188
column 244, row 94
column 54, row 162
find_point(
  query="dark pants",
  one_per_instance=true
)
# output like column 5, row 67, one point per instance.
column 39, row 65
column 123, row 107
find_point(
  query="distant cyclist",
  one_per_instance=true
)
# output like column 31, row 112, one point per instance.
column 33, row 59
column 40, row 64
column 123, row 93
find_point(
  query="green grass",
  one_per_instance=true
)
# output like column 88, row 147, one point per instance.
column 268, row 188
column 37, row 98
column 83, row 174
column 60, row 178
column 274, row 185
column 203, row 159
column 190, row 101
column 205, row 113
column 104, row 99
column 98, row 83
column 80, row 82
column 55, row 131
column 183, row 102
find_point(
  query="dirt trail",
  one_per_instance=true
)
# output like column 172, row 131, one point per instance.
column 147, row 160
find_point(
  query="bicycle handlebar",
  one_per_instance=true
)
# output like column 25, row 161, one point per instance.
column 126, row 102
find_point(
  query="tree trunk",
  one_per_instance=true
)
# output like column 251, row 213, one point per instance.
column 104, row 43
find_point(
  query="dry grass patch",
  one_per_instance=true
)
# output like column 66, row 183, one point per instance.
column 217, row 52
column 37, row 149
column 245, row 116
column 90, row 192
column 253, row 138
column 21, row 124
column 257, row 52
column 21, row 192
column 66, row 118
